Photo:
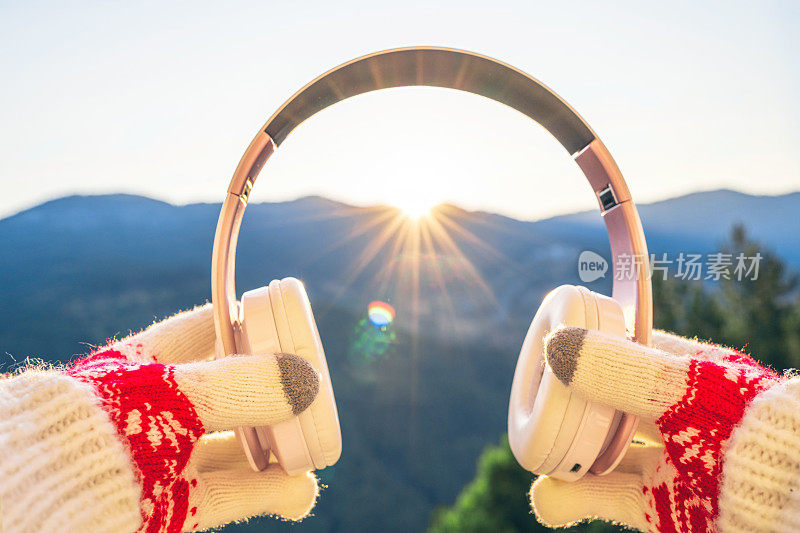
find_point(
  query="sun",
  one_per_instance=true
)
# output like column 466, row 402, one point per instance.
column 415, row 208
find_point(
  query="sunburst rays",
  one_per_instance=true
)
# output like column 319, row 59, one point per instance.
column 413, row 261
column 422, row 266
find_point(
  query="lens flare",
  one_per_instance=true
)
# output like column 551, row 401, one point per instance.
column 380, row 313
column 370, row 345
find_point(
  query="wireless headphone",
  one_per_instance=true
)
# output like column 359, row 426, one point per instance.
column 551, row 429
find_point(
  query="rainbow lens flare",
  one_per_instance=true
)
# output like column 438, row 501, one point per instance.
column 380, row 313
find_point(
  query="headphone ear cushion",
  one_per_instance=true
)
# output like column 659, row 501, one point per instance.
column 279, row 319
column 552, row 430
column 298, row 334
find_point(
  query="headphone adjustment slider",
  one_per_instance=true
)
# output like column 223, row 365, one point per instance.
column 248, row 186
column 607, row 199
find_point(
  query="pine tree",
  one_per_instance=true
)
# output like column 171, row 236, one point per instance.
column 761, row 312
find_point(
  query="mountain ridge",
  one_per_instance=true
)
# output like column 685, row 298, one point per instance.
column 715, row 194
column 693, row 198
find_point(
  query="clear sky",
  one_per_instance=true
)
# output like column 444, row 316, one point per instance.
column 161, row 98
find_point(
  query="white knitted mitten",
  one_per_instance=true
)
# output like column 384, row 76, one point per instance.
column 118, row 442
column 720, row 436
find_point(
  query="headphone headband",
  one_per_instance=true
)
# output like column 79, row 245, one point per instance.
column 455, row 69
column 435, row 67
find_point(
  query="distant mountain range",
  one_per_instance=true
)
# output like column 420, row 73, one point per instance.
column 698, row 221
column 415, row 413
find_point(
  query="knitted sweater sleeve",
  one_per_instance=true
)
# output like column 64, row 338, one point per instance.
column 136, row 436
column 63, row 466
column 760, row 486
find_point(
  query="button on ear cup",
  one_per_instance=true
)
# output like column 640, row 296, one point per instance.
column 552, row 430
column 279, row 319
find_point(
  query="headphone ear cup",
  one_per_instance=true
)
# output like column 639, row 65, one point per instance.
column 551, row 429
column 279, row 319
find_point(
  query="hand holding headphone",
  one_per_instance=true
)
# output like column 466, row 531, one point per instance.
column 552, row 430
column 719, row 440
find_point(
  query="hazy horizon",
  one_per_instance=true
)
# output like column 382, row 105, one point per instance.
column 366, row 206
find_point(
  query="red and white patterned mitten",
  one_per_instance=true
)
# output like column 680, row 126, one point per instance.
column 720, row 437
column 120, row 440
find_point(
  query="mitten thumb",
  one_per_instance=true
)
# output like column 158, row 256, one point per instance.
column 254, row 390
column 616, row 372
